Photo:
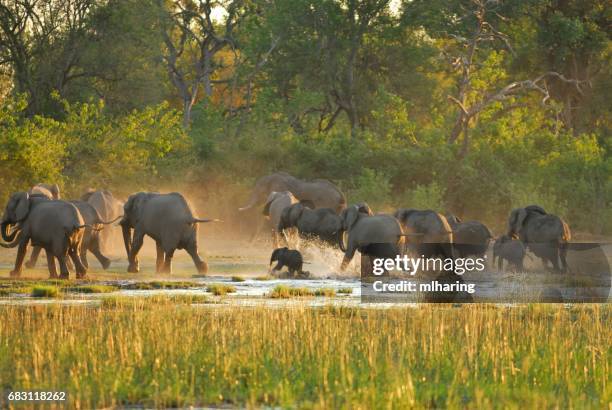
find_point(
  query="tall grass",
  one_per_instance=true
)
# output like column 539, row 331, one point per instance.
column 477, row 356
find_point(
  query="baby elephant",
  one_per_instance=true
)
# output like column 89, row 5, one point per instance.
column 290, row 258
column 512, row 250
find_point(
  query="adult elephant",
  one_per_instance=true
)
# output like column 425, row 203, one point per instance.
column 109, row 209
column 376, row 236
column 50, row 191
column 470, row 238
column 168, row 219
column 321, row 192
column 275, row 204
column 322, row 224
column 432, row 234
column 544, row 234
column 56, row 226
column 91, row 237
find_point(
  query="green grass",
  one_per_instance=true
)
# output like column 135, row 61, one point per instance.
column 220, row 289
column 148, row 302
column 345, row 291
column 157, row 353
column 285, row 292
column 237, row 279
column 45, row 291
column 91, row 289
column 328, row 292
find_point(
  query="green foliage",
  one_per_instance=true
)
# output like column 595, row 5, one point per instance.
column 45, row 291
column 220, row 289
column 285, row 292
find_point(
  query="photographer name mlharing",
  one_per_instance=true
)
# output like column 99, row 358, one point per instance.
column 406, row 286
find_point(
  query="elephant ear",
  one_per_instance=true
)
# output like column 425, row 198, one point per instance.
column 402, row 214
column 517, row 218
column 55, row 191
column 364, row 208
column 131, row 208
column 22, row 206
column 273, row 195
column 349, row 217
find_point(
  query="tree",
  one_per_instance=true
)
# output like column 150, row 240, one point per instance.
column 192, row 40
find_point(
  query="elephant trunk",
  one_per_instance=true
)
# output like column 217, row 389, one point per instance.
column 12, row 240
column 250, row 205
column 341, row 240
column 5, row 229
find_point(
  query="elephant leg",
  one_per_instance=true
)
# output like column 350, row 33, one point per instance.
column 159, row 258
column 80, row 269
column 133, row 257
column 348, row 256
column 563, row 256
column 95, row 248
column 367, row 266
column 64, row 273
column 21, row 253
column 200, row 265
column 51, row 264
column 33, row 257
column 500, row 264
column 168, row 262
column 275, row 239
column 554, row 258
column 83, row 255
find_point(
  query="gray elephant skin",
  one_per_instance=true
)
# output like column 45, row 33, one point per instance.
column 56, row 226
column 109, row 209
column 275, row 204
column 169, row 221
column 431, row 234
column 544, row 234
column 376, row 236
column 320, row 224
column 91, row 237
column 321, row 192
column 511, row 250
column 470, row 238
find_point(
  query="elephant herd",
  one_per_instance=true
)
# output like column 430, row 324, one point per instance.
column 68, row 230
column 318, row 210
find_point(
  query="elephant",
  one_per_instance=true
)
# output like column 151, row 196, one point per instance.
column 436, row 235
column 51, row 191
column 512, row 250
column 290, row 258
column 169, row 221
column 275, row 204
column 322, row 223
column 91, row 236
column 469, row 238
column 109, row 208
column 57, row 226
column 321, row 192
column 375, row 236
column 544, row 234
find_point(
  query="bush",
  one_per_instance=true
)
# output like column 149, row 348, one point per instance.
column 42, row 291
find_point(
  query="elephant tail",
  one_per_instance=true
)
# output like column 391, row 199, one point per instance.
column 204, row 220
column 100, row 221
